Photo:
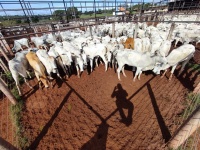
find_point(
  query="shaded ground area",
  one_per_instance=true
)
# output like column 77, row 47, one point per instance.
column 99, row 112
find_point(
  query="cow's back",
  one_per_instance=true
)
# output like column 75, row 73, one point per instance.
column 35, row 63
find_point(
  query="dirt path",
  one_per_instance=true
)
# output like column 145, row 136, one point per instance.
column 86, row 114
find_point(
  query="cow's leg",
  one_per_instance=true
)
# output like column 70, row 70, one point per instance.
column 28, row 74
column 78, row 72
column 38, row 78
column 136, row 74
column 106, row 63
column 15, row 77
column 118, row 72
column 91, row 64
column 96, row 61
column 184, row 63
column 28, row 83
column 139, row 75
column 177, row 40
column 172, row 71
column 24, row 75
column 60, row 63
column 58, row 74
column 164, row 73
column 123, row 71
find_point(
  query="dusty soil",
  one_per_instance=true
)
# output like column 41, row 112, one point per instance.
column 89, row 113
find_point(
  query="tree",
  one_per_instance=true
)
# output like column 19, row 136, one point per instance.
column 58, row 14
column 73, row 12
column 35, row 19
column 18, row 21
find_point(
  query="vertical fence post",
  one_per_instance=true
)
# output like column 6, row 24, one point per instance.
column 135, row 31
column 188, row 128
column 197, row 89
column 91, row 31
column 171, row 31
column 113, row 30
column 154, row 19
column 35, row 30
column 7, row 92
column 4, row 67
column 4, row 54
column 5, row 44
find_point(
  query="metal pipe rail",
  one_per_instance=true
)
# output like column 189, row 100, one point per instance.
column 68, row 28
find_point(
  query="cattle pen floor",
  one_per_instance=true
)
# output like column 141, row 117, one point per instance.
column 86, row 113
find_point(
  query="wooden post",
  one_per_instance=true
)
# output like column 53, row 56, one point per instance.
column 91, row 32
column 7, row 92
column 149, row 18
column 135, row 31
column 154, row 19
column 4, row 54
column 197, row 18
column 113, row 30
column 4, row 67
column 35, row 30
column 189, row 127
column 197, row 89
column 171, row 31
column 4, row 43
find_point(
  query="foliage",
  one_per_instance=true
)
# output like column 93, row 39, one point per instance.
column 71, row 13
column 58, row 14
column 18, row 21
column 35, row 19
column 8, row 23
column 194, row 66
column 16, row 115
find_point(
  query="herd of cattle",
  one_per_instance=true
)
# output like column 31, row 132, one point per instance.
column 150, row 50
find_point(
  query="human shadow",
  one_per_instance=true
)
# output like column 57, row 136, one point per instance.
column 123, row 103
column 98, row 141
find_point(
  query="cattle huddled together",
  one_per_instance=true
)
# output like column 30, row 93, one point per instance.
column 149, row 50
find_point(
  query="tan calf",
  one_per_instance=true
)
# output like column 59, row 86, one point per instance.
column 38, row 67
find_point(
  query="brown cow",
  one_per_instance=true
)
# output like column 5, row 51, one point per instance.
column 38, row 67
column 129, row 43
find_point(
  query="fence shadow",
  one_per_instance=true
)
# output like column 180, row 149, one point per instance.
column 98, row 141
column 44, row 131
column 188, row 76
column 6, row 145
column 164, row 130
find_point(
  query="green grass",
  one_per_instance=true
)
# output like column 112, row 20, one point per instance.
column 192, row 102
column 83, row 16
column 16, row 116
column 16, row 111
column 194, row 66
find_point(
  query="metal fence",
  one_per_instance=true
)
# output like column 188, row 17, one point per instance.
column 27, row 10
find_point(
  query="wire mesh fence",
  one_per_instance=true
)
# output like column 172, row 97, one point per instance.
column 32, row 14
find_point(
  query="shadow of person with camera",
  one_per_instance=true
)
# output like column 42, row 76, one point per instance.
column 123, row 103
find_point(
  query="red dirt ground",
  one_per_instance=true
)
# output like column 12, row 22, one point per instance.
column 86, row 113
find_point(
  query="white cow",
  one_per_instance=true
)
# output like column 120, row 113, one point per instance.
column 142, row 61
column 19, row 43
column 182, row 54
column 39, row 41
column 19, row 66
column 66, row 56
column 94, row 50
column 57, row 57
column 48, row 61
